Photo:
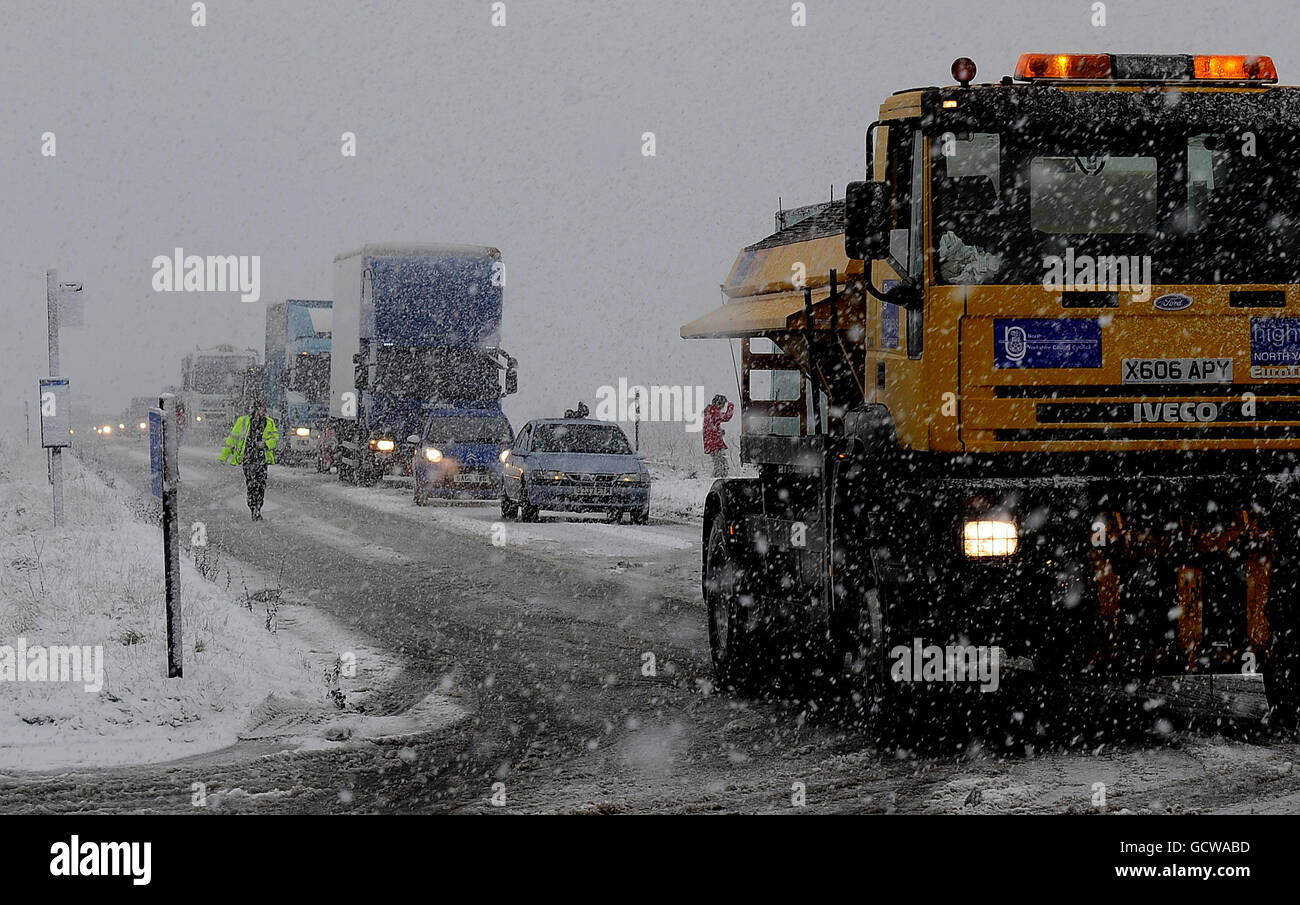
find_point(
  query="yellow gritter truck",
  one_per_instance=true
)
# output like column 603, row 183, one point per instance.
column 1026, row 403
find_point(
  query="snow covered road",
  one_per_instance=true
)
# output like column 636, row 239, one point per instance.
column 547, row 638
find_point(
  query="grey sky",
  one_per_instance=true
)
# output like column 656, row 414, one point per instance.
column 225, row 140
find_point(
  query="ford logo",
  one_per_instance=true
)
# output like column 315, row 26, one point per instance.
column 1173, row 302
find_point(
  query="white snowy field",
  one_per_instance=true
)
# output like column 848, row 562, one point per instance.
column 98, row 582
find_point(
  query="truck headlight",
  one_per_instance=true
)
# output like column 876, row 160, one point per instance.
column 302, row 431
column 505, row 454
column 544, row 475
column 433, row 455
column 635, row 479
column 144, row 425
column 385, row 445
column 983, row 538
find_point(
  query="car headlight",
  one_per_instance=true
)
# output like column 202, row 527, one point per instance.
column 144, row 425
column 108, row 428
column 636, row 479
column 121, row 427
column 198, row 417
column 385, row 445
column 302, row 431
column 982, row 538
column 433, row 455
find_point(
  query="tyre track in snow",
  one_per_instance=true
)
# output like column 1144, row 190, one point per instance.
column 548, row 643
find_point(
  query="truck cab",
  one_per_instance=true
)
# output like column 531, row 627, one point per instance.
column 1029, row 388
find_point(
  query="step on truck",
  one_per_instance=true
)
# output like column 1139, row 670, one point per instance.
column 416, row 333
column 1025, row 405
column 297, row 376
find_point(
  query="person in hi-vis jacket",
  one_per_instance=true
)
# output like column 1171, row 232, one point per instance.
column 252, row 444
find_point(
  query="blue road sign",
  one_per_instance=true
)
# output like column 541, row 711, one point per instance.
column 156, row 451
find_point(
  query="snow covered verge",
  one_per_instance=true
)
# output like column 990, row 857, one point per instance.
column 97, row 585
column 678, row 492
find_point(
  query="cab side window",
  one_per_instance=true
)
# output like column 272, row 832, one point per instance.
column 524, row 437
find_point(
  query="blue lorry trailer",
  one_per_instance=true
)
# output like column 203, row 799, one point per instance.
column 416, row 339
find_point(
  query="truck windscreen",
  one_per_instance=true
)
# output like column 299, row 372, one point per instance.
column 1178, row 206
column 311, row 377
column 444, row 375
column 212, row 375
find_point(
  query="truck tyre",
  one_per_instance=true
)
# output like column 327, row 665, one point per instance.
column 1282, row 671
column 509, row 511
column 640, row 516
column 420, row 498
column 739, row 660
column 1282, row 690
column 367, row 476
column 528, row 513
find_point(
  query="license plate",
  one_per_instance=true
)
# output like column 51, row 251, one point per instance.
column 588, row 491
column 1178, row 370
column 472, row 479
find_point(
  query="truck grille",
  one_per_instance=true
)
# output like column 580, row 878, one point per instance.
column 1157, row 412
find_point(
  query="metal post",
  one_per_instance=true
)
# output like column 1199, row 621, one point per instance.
column 52, row 317
column 27, row 417
column 171, row 537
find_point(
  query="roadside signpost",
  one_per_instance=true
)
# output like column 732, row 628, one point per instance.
column 165, row 475
column 59, row 298
column 56, row 433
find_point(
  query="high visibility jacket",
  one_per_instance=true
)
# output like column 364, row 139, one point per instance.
column 233, row 451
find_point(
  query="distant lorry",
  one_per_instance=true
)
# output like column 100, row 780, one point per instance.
column 135, row 420
column 415, row 339
column 297, row 375
column 212, row 381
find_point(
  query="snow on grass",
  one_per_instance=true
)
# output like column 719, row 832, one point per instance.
column 99, row 581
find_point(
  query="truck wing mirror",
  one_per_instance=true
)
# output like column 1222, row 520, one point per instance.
column 361, row 371
column 866, row 220
column 414, row 438
column 512, row 378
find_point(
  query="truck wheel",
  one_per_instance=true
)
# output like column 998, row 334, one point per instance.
column 420, row 498
column 366, row 473
column 1282, row 672
column 614, row 516
column 1282, row 691
column 528, row 513
column 640, row 516
column 733, row 643
column 509, row 511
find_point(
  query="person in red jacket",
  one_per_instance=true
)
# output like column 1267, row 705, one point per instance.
column 714, row 446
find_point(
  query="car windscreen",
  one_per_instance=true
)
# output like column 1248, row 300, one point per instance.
column 467, row 429
column 608, row 439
